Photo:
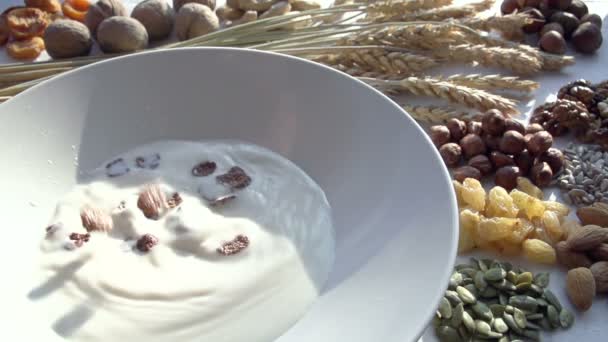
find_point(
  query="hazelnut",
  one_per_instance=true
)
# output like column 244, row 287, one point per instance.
column 592, row 18
column 509, row 6
column 540, row 142
column 440, row 135
column 557, row 27
column 587, row 38
column 464, row 172
column 533, row 128
column 553, row 42
column 553, row 157
column 559, row 4
column 541, row 174
column 531, row 3
column 514, row 125
column 538, row 20
column 474, row 127
column 481, row 163
column 491, row 141
column 506, row 177
column 512, row 142
column 472, row 145
column 493, row 122
column 458, row 129
column 524, row 161
column 578, row 8
column 500, row 159
column 568, row 21
column 451, row 154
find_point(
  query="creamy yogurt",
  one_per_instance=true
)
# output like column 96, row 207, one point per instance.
column 232, row 255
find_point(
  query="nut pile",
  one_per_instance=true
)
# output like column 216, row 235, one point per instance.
column 498, row 145
column 556, row 21
column 514, row 223
column 488, row 299
column 581, row 108
column 585, row 177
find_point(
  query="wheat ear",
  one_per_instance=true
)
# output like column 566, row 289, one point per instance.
column 437, row 14
column 488, row 82
column 400, row 6
column 437, row 114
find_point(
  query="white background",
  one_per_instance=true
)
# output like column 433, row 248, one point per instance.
column 592, row 325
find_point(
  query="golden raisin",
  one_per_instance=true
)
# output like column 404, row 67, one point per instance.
column 496, row 228
column 525, row 185
column 500, row 204
column 552, row 226
column 25, row 49
column 26, row 22
column 473, row 194
column 530, row 206
column 469, row 223
column 538, row 251
column 521, row 230
column 559, row 208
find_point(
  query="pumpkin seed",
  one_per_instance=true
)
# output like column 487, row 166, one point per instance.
column 468, row 272
column 495, row 264
column 467, row 281
column 465, row 295
column 520, row 318
column 471, row 287
column 489, row 292
column 478, row 264
column 495, row 274
column 530, row 325
column 452, row 296
column 542, row 279
column 500, row 325
column 455, row 280
column 447, row 334
column 552, row 299
column 508, row 318
column 553, row 316
column 464, row 333
column 480, row 282
column 503, row 299
column 532, row 334
column 457, row 314
column 504, row 339
column 536, row 290
column 509, row 309
column 436, row 320
column 482, row 327
column 522, row 287
column 494, row 335
column 468, row 322
column 504, row 285
column 482, row 311
column 534, row 317
column 512, row 277
column 497, row 310
column 507, row 266
column 460, row 267
column 544, row 323
column 525, row 277
column 566, row 319
column 445, row 309
column 524, row 302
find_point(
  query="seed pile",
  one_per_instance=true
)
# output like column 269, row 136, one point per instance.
column 519, row 222
column 498, row 145
column 581, row 108
column 557, row 21
column 585, row 177
column 488, row 299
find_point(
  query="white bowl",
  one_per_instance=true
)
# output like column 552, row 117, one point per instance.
column 393, row 204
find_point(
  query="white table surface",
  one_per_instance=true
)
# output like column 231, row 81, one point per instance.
column 592, row 325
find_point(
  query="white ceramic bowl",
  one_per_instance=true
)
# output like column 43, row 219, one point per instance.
column 393, row 204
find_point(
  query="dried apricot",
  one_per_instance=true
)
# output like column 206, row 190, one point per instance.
column 525, row 185
column 70, row 11
column 469, row 223
column 80, row 5
column 26, row 22
column 4, row 31
column 473, row 194
column 500, row 204
column 51, row 6
column 530, row 206
column 539, row 251
column 25, row 49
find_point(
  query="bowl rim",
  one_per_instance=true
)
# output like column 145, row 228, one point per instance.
column 454, row 222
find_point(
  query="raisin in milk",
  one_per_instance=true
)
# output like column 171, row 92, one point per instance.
column 182, row 241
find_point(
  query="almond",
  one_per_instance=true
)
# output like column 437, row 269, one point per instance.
column 570, row 259
column 95, row 219
column 152, row 201
column 600, row 253
column 580, row 287
column 600, row 274
column 596, row 215
column 586, row 238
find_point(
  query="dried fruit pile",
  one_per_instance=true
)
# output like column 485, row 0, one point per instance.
column 559, row 20
column 498, row 145
column 519, row 222
column 488, row 299
column 581, row 108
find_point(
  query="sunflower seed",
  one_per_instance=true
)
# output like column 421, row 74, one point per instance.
column 566, row 318
column 465, row 295
column 445, row 309
column 480, row 282
column 500, row 325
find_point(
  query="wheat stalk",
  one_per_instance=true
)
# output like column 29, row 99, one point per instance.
column 437, row 14
column 437, row 114
column 470, row 97
column 488, row 82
